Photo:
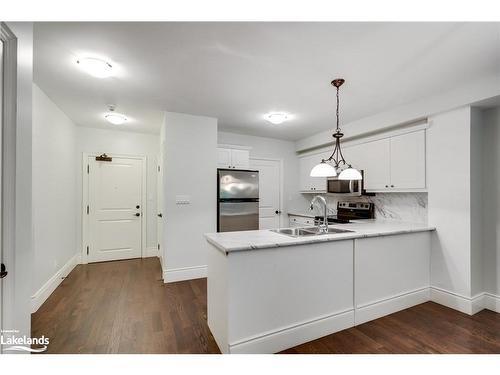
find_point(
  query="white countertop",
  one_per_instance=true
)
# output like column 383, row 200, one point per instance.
column 261, row 239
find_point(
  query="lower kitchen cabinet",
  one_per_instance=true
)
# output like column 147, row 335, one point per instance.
column 391, row 273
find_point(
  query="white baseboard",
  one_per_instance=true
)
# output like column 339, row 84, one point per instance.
column 185, row 273
column 274, row 342
column 151, row 252
column 48, row 288
column 491, row 302
column 391, row 305
column 456, row 301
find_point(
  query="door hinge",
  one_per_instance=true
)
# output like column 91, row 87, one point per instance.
column 158, row 168
column 88, row 169
column 87, row 250
column 158, row 246
column 88, row 209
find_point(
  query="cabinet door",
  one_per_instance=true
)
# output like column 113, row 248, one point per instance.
column 240, row 159
column 374, row 160
column 308, row 183
column 408, row 161
column 224, row 158
column 318, row 183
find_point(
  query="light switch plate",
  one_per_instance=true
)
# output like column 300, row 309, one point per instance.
column 182, row 199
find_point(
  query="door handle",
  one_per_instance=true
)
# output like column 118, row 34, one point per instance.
column 160, row 215
column 137, row 214
column 277, row 212
column 3, row 271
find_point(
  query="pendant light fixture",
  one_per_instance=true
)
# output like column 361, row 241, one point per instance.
column 336, row 162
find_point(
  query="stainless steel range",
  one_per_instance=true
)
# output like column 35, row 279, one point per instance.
column 347, row 211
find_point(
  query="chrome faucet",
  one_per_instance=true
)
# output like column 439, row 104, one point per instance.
column 321, row 228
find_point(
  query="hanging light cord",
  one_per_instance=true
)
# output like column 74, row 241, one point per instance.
column 337, row 157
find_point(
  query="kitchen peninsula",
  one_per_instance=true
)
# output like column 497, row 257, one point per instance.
column 268, row 291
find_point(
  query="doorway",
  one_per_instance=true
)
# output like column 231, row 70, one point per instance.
column 270, row 191
column 114, row 207
column 8, row 102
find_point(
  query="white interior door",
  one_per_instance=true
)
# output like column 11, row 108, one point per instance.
column 269, row 192
column 1, row 184
column 115, row 209
column 159, row 204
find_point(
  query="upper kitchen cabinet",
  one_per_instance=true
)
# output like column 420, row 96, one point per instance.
column 408, row 161
column 310, row 184
column 233, row 158
column 394, row 163
column 374, row 159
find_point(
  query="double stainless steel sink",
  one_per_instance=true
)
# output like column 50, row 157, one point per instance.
column 308, row 231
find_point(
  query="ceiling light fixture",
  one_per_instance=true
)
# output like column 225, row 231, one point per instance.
column 276, row 118
column 115, row 118
column 95, row 67
column 325, row 169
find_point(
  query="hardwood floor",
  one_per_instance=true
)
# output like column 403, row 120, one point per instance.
column 124, row 307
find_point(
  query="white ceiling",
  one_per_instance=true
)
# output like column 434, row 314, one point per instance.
column 237, row 72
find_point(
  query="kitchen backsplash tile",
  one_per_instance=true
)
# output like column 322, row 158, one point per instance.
column 411, row 207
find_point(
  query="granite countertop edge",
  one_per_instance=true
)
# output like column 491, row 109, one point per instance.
column 291, row 241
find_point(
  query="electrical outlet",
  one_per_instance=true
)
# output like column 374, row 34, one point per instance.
column 182, row 199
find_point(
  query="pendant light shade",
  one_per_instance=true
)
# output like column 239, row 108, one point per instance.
column 350, row 174
column 323, row 169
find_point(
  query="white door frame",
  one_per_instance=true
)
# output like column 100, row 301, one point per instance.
column 85, row 200
column 8, row 164
column 281, row 181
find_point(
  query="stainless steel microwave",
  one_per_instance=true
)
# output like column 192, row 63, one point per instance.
column 353, row 188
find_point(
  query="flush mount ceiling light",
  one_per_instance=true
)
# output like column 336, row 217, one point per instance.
column 115, row 118
column 95, row 67
column 276, row 118
column 336, row 162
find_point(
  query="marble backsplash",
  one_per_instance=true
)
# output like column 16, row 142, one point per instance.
column 410, row 207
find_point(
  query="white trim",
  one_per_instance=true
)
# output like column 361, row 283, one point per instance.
column 85, row 200
column 150, row 252
column 8, row 180
column 282, row 216
column 185, row 273
column 234, row 147
column 390, row 305
column 288, row 337
column 456, row 301
column 48, row 288
column 491, row 302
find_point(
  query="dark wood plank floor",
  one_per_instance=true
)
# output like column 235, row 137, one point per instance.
column 124, row 307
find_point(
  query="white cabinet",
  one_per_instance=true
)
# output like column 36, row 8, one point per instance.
column 310, row 184
column 300, row 221
column 233, row 158
column 395, row 163
column 408, row 161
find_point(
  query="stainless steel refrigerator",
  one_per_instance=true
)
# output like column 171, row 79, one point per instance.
column 237, row 200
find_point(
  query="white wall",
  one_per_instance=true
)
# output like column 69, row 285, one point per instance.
column 449, row 180
column 189, row 168
column 126, row 143
column 274, row 149
column 491, row 201
column 54, row 188
column 17, row 311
